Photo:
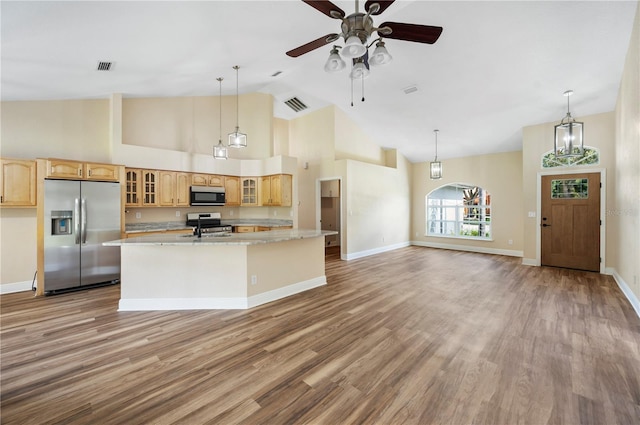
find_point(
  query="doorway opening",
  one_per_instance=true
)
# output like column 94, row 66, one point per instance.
column 330, row 211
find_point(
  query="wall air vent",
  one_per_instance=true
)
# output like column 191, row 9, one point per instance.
column 296, row 104
column 104, row 66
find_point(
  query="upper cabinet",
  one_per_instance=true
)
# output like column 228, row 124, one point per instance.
column 75, row 170
column 276, row 190
column 232, row 191
column 133, row 185
column 101, row 172
column 249, row 191
column 173, row 189
column 18, row 183
column 330, row 189
column 212, row 180
column 149, row 188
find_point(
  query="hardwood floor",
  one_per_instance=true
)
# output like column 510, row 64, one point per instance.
column 412, row 336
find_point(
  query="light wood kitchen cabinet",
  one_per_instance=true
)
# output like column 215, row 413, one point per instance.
column 232, row 191
column 149, row 188
column 276, row 190
column 182, row 189
column 249, row 191
column 133, row 185
column 213, row 180
column 64, row 169
column 158, row 232
column 68, row 169
column 101, row 172
column 330, row 189
column 244, row 229
column 18, row 183
column 173, row 189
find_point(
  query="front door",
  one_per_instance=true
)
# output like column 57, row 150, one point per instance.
column 571, row 221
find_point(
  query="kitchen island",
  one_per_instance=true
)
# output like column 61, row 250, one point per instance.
column 218, row 271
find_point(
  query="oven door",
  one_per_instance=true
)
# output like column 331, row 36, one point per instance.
column 204, row 195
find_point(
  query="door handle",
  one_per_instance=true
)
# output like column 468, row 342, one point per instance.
column 545, row 225
column 83, row 206
column 76, row 220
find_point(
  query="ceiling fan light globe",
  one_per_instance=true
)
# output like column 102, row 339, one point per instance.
column 334, row 63
column 380, row 56
column 359, row 71
column 353, row 47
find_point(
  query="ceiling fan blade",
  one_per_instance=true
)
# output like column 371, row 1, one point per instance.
column 412, row 32
column 326, row 7
column 312, row 45
column 383, row 5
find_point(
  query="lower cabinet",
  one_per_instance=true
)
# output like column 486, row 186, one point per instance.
column 158, row 232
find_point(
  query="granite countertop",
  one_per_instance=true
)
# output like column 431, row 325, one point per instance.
column 224, row 238
column 180, row 225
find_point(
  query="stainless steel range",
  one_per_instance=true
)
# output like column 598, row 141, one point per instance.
column 206, row 223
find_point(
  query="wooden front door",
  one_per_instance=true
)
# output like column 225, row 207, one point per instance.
column 571, row 221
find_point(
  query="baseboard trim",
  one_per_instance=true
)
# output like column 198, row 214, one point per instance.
column 276, row 294
column 626, row 290
column 479, row 249
column 8, row 288
column 374, row 251
column 219, row 303
column 529, row 262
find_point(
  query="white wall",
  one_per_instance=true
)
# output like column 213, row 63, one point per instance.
column 501, row 175
column 624, row 217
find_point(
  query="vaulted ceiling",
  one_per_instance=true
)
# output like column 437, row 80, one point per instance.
column 498, row 66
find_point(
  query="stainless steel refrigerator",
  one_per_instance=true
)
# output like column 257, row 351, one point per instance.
column 79, row 216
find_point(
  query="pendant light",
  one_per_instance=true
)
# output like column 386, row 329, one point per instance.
column 435, row 167
column 568, row 135
column 237, row 139
column 220, row 151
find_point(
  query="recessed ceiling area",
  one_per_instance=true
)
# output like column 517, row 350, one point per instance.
column 498, row 66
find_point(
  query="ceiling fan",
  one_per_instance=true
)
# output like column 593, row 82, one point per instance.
column 356, row 29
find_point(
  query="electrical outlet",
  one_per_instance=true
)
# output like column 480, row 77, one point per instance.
column 275, row 213
column 532, row 214
column 254, row 279
column 510, row 242
column 177, row 213
column 138, row 215
column 290, row 213
column 231, row 213
column 383, row 239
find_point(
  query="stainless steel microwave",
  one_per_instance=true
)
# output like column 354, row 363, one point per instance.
column 205, row 195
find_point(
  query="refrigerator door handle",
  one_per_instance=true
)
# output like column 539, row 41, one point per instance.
column 83, row 205
column 76, row 220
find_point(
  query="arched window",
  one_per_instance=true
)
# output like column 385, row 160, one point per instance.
column 459, row 210
column 591, row 157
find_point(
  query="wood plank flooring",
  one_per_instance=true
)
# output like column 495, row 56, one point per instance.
column 412, row 336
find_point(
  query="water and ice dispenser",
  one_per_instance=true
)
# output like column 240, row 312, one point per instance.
column 61, row 222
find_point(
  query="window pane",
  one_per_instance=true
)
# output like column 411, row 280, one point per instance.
column 459, row 210
column 570, row 189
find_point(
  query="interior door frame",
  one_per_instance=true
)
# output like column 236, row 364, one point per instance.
column 319, row 212
column 603, row 209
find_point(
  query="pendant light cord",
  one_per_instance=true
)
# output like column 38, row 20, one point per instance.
column 436, row 131
column 220, row 109
column 237, row 102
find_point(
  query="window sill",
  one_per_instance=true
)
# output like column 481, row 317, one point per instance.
column 468, row 238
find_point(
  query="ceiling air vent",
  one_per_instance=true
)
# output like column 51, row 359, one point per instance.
column 104, row 66
column 410, row 89
column 296, row 104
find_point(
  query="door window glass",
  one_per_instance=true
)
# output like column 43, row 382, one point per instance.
column 570, row 189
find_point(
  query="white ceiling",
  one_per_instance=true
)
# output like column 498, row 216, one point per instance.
column 497, row 67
